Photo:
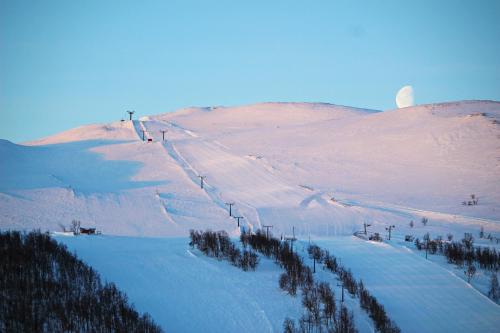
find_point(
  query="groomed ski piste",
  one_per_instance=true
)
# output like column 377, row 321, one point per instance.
column 321, row 169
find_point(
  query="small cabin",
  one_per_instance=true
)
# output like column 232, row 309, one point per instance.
column 87, row 231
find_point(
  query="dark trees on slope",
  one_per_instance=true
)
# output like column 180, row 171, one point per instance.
column 219, row 245
column 315, row 253
column 45, row 288
column 463, row 252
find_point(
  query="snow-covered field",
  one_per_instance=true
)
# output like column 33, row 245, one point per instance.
column 419, row 295
column 185, row 291
column 321, row 169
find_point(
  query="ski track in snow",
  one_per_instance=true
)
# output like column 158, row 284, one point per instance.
column 243, row 209
column 193, row 174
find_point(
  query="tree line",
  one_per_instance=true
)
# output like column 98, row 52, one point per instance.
column 461, row 252
column 45, row 288
column 218, row 244
column 321, row 312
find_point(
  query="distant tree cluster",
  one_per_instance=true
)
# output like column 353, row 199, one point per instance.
column 487, row 258
column 463, row 252
column 45, row 288
column 318, row 300
column 218, row 244
column 296, row 273
column 473, row 202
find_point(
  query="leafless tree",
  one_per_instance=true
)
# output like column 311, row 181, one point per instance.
column 494, row 292
column 470, row 272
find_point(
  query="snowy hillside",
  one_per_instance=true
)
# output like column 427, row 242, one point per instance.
column 281, row 163
column 185, row 291
column 316, row 170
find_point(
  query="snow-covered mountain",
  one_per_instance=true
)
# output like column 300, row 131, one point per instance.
column 317, row 169
column 323, row 169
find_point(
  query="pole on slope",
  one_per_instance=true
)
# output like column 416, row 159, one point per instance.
column 267, row 230
column 291, row 239
column 130, row 113
column 365, row 225
column 143, row 133
column 238, row 218
column 202, row 178
column 427, row 238
column 230, row 204
column 390, row 229
column 341, row 285
column 163, row 132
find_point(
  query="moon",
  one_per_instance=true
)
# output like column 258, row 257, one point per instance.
column 404, row 98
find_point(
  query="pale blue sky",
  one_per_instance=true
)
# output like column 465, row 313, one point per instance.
column 69, row 63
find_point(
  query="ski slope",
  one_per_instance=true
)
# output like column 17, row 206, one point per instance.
column 316, row 170
column 281, row 163
column 427, row 157
column 185, row 291
column 419, row 295
column 118, row 186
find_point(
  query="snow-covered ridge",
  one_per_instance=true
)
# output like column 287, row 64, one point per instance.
column 484, row 108
column 386, row 167
column 265, row 114
column 119, row 130
column 272, row 113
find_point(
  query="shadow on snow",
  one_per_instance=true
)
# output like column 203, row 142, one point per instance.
column 71, row 165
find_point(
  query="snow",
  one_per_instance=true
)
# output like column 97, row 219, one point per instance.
column 481, row 280
column 120, row 130
column 418, row 295
column 321, row 169
column 185, row 291
column 280, row 162
column 116, row 187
